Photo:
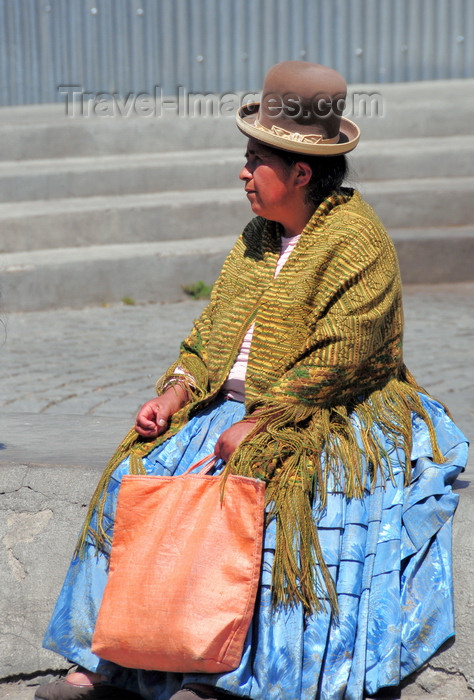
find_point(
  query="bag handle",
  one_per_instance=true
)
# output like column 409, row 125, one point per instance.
column 211, row 458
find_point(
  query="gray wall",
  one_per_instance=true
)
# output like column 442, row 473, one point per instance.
column 133, row 46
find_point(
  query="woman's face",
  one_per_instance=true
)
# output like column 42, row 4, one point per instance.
column 269, row 182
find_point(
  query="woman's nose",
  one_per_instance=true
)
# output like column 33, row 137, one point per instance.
column 245, row 173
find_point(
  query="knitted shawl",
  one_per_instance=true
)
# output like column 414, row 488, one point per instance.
column 325, row 368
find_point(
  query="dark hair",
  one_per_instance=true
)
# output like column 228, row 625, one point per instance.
column 329, row 173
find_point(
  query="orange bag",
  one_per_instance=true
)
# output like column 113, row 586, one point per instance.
column 184, row 572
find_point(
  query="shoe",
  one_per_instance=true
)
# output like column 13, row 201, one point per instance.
column 188, row 694
column 61, row 690
column 202, row 692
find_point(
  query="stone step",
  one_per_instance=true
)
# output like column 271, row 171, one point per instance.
column 397, row 159
column 435, row 255
column 95, row 275
column 84, row 221
column 151, row 272
column 123, row 174
column 76, row 222
column 428, row 202
column 383, row 111
column 45, row 131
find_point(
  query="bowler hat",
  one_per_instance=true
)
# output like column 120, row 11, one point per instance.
column 301, row 111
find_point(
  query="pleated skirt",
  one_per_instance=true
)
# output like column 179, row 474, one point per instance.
column 388, row 552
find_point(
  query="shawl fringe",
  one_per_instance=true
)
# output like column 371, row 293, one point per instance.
column 301, row 452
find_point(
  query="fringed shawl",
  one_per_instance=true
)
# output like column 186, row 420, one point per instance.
column 325, row 367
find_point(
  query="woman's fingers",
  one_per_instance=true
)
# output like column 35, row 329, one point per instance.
column 231, row 438
column 152, row 419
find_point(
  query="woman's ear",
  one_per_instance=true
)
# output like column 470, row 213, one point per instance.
column 303, row 172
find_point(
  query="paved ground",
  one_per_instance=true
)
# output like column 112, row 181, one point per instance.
column 104, row 362
column 97, row 360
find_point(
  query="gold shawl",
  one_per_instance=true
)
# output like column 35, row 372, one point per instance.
column 325, row 365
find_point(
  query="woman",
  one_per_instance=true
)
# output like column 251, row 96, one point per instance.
column 294, row 374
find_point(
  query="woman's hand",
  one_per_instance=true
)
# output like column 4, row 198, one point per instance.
column 231, row 438
column 153, row 417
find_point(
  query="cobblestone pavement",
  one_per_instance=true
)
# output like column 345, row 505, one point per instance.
column 105, row 360
column 97, row 360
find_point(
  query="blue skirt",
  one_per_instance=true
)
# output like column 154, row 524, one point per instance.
column 389, row 553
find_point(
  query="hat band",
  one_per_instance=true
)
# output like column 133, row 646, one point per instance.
column 295, row 135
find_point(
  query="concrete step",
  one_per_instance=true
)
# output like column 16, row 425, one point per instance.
column 58, row 178
column 78, row 221
column 435, row 255
column 48, row 224
column 151, row 272
column 383, row 111
column 412, row 110
column 45, row 131
column 410, row 158
column 94, row 275
column 428, row 202
column 124, row 174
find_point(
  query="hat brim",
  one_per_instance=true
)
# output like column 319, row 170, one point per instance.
column 349, row 134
